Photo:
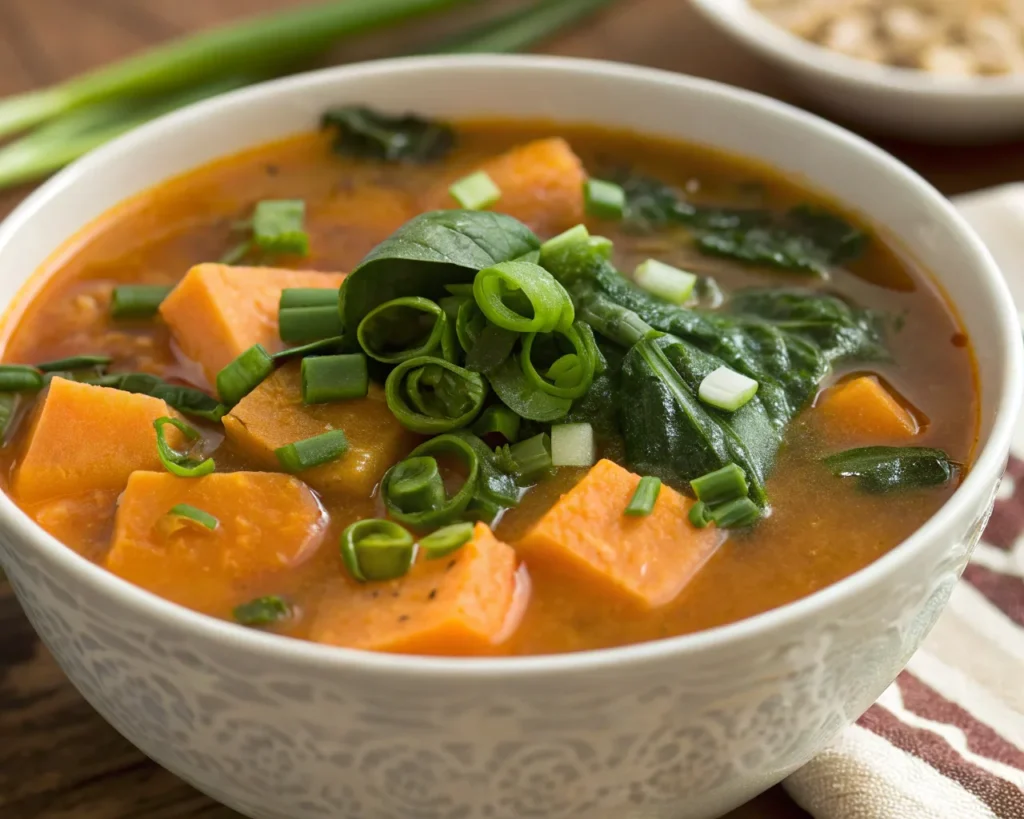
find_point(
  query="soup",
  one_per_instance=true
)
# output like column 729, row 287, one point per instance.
column 497, row 388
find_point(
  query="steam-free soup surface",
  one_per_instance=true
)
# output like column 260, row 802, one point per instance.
column 818, row 528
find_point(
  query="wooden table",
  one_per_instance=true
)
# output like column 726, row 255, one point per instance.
column 57, row 757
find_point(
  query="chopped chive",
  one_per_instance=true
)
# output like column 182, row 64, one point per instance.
column 20, row 378
column 531, row 457
column 602, row 199
column 263, row 611
column 573, row 445
column 277, row 226
column 133, row 301
column 446, row 540
column 476, row 191
column 735, row 513
column 663, row 280
column 568, row 238
column 191, row 513
column 498, row 419
column 644, row 498
column 177, row 462
column 244, row 374
column 314, row 348
column 725, row 484
column 302, row 324
column 8, row 408
column 727, row 389
column 602, row 244
column 235, row 254
column 308, row 297
column 310, row 452
column 415, row 485
column 334, row 378
column 699, row 515
column 77, row 362
column 377, row 549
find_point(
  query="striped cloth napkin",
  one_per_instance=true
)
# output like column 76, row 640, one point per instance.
column 946, row 740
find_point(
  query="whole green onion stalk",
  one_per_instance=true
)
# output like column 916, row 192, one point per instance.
column 94, row 108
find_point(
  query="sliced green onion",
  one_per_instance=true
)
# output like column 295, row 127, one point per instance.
column 699, row 515
column 195, row 515
column 309, row 452
column 263, row 611
column 516, row 392
column 573, row 445
column 568, row 238
column 615, row 322
column 430, row 395
column 377, row 549
column 8, row 409
column 602, row 245
column 475, row 192
column 401, row 329
column 308, row 297
column 314, row 348
column 663, row 280
column 407, row 507
column 244, row 374
column 133, row 301
column 727, row 389
column 76, row 362
column 184, row 399
column 234, row 255
column 572, row 377
column 446, row 540
column 528, row 459
column 522, row 297
column 498, row 419
column 602, row 199
column 735, row 513
column 296, row 325
column 278, row 226
column 643, row 500
column 20, row 378
column 180, row 463
column 334, row 378
column 725, row 484
column 415, row 485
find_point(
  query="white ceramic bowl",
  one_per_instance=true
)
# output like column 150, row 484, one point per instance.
column 892, row 101
column 685, row 728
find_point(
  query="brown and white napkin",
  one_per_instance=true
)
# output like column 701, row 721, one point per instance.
column 946, row 740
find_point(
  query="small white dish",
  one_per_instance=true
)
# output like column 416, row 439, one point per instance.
column 890, row 101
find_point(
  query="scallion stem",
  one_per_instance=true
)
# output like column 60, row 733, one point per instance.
column 334, row 378
column 177, row 462
column 315, row 451
column 20, row 378
column 646, row 495
column 725, row 484
column 263, row 611
column 194, row 515
column 244, row 374
column 447, row 540
column 136, row 301
column 377, row 549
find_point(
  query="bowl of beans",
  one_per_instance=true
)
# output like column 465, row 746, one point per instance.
column 944, row 71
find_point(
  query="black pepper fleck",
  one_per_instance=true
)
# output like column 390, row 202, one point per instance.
column 272, row 170
column 432, row 595
column 403, row 618
column 451, row 565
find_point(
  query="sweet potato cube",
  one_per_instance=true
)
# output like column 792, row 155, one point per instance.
column 273, row 415
column 85, row 438
column 267, row 523
column 863, row 408
column 217, row 311
column 463, row 604
column 541, row 184
column 644, row 559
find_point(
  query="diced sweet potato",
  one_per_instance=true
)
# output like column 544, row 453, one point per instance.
column 267, row 523
column 863, row 408
column 644, row 559
column 85, row 438
column 463, row 604
column 541, row 184
column 273, row 415
column 217, row 311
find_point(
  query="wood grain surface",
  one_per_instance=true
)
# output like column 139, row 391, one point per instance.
column 58, row 758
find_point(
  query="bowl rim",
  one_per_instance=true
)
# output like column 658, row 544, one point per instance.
column 771, row 40
column 972, row 492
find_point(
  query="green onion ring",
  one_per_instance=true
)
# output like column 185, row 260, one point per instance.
column 579, row 377
column 175, row 461
column 452, row 506
column 430, row 395
column 539, row 291
column 392, row 320
column 377, row 549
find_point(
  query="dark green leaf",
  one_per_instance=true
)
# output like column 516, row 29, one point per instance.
column 881, row 469
column 363, row 132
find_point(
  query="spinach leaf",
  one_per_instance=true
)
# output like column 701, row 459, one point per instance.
column 510, row 385
column 369, row 134
column 806, row 239
column 428, row 252
column 882, row 469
